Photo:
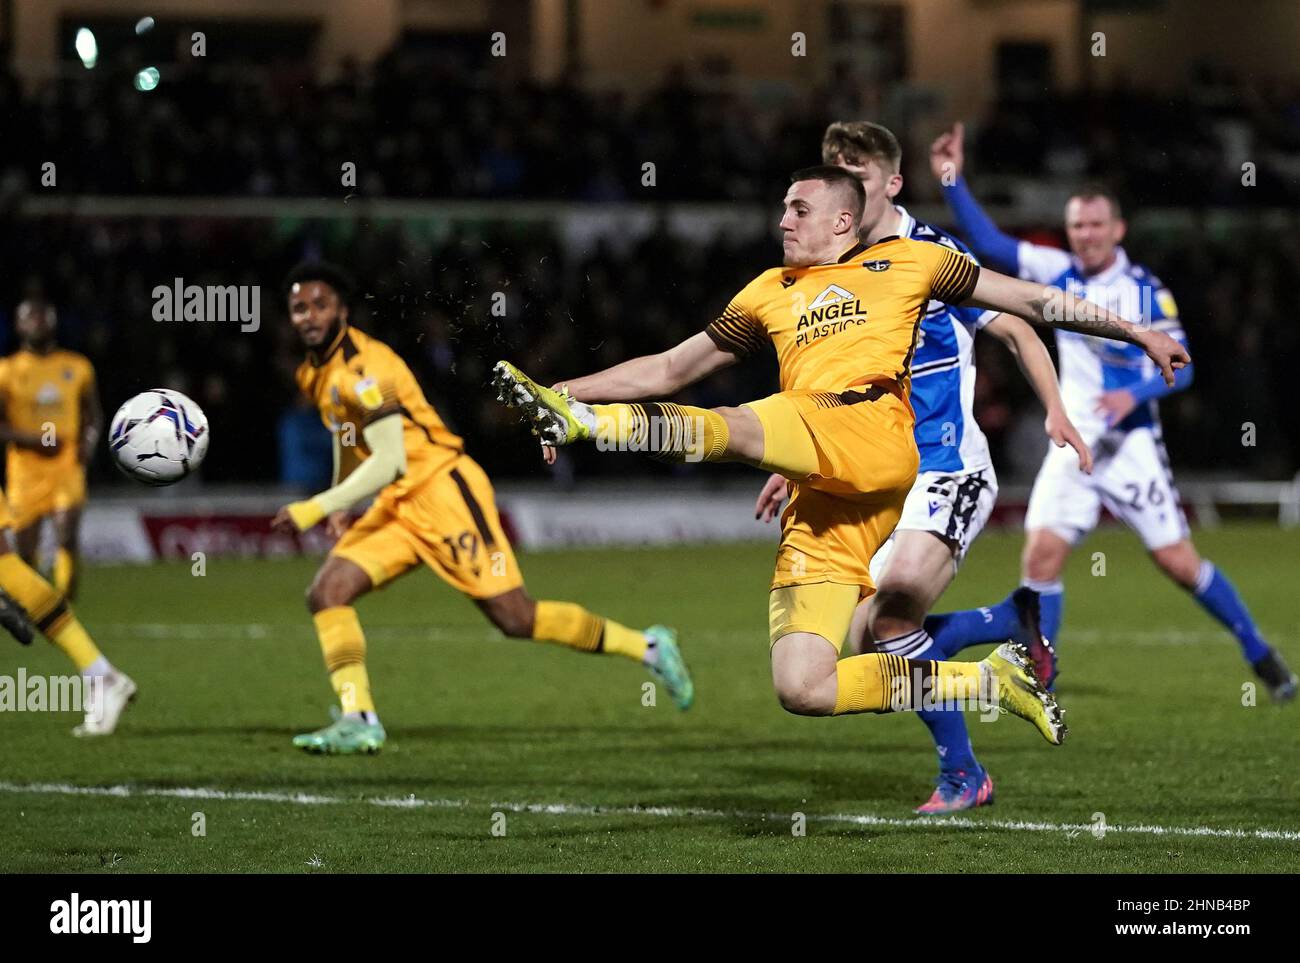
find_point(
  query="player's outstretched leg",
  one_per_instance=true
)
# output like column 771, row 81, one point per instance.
column 809, row 680
column 661, row 429
column 355, row 727
column 568, row 624
column 50, row 613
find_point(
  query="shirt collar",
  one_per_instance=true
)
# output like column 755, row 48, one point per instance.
column 908, row 223
column 319, row 358
column 1111, row 273
column 852, row 252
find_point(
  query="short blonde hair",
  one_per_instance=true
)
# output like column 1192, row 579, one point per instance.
column 858, row 141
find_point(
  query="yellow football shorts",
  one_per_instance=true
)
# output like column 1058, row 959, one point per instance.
column 852, row 458
column 40, row 486
column 450, row 524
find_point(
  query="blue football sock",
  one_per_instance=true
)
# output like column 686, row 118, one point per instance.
column 951, row 740
column 953, row 631
column 947, row 727
column 1218, row 597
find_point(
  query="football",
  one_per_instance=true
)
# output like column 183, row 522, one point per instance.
column 158, row 437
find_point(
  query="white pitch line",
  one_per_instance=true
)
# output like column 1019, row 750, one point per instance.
column 662, row 812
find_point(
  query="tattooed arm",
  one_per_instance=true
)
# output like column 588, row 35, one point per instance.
column 1056, row 308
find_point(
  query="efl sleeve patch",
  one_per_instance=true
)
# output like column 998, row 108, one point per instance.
column 1165, row 302
column 369, row 395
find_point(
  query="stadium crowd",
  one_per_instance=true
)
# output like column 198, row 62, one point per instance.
column 423, row 126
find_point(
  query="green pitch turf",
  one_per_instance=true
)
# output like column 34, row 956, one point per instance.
column 585, row 777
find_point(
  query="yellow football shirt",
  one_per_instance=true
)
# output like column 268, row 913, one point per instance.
column 359, row 379
column 41, row 392
column 854, row 322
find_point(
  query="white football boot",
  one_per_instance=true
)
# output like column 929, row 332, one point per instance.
column 105, row 703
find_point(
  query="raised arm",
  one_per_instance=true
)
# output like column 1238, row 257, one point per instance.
column 947, row 160
column 1051, row 306
column 991, row 245
column 1036, row 365
column 654, row 375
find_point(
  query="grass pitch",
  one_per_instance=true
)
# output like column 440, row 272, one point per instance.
column 557, row 751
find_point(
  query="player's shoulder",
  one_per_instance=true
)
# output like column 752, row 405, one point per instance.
column 924, row 249
column 930, row 234
column 75, row 360
column 762, row 289
column 358, row 343
column 1151, row 294
column 773, row 279
column 1144, row 275
column 372, row 358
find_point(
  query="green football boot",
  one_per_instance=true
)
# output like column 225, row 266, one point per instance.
column 669, row 667
column 1020, row 693
column 343, row 737
column 556, row 418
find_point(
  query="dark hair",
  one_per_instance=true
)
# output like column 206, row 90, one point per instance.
column 858, row 141
column 331, row 274
column 836, row 177
column 1088, row 191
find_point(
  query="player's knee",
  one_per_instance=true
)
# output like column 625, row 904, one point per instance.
column 801, row 696
column 513, row 624
column 800, row 700
column 744, row 432
column 513, row 617
column 1042, row 561
column 328, row 593
column 1180, row 563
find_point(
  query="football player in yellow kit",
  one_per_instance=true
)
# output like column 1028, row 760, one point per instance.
column 29, row 604
column 435, row 506
column 843, row 318
column 50, row 420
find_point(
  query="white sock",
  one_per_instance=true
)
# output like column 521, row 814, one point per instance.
column 585, row 414
column 910, row 645
column 100, row 666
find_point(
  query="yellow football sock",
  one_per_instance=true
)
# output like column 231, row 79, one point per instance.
column 891, row 683
column 64, row 569
column 620, row 640
column 344, row 646
column 48, row 610
column 567, row 623
column 664, row 430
